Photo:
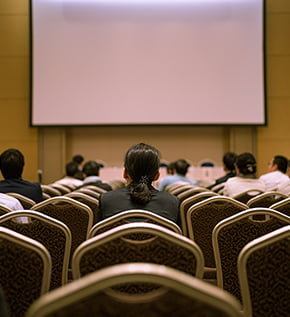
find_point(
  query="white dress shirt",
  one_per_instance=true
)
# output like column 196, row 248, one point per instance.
column 273, row 179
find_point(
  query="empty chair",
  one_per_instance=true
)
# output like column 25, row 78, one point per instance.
column 266, row 199
column 233, row 233
column 218, row 188
column 138, row 242
column 61, row 188
column 96, row 189
column 88, row 200
column 181, row 189
column 245, row 196
column 194, row 190
column 174, row 186
column 263, row 267
column 26, row 202
column 128, row 216
column 25, row 270
column 190, row 201
column 76, row 215
column 53, row 234
column 201, row 219
column 49, row 190
column 88, row 192
column 178, row 294
column 283, row 206
column 116, row 184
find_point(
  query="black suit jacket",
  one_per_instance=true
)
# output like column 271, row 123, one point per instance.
column 162, row 204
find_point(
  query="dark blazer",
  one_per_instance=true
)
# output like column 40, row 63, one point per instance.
column 22, row 187
column 162, row 204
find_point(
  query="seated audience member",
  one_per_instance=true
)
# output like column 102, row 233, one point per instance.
column 170, row 168
column 277, row 168
column 79, row 159
column 11, row 166
column 229, row 159
column 246, row 176
column 141, row 168
column 71, row 170
column 91, row 172
column 180, row 169
column 10, row 202
column 284, row 188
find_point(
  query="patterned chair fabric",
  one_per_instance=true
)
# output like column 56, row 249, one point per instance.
column 190, row 201
column 202, row 217
column 53, row 234
column 26, row 202
column 233, row 233
column 135, row 215
column 266, row 199
column 4, row 210
column 181, row 189
column 88, row 200
column 245, row 196
column 25, row 270
column 177, row 294
column 77, row 216
column 283, row 206
column 161, row 246
column 263, row 267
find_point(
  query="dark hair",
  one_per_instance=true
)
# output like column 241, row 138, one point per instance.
column 181, row 167
column 246, row 163
column 229, row 160
column 78, row 158
column 281, row 162
column 142, row 164
column 11, row 163
column 91, row 168
column 170, row 168
column 71, row 169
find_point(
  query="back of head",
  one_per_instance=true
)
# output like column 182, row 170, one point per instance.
column 91, row 168
column 142, row 165
column 181, row 167
column 229, row 160
column 78, row 158
column 281, row 162
column 246, row 163
column 71, row 169
column 11, row 163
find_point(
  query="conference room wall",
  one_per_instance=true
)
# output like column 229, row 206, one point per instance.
column 49, row 149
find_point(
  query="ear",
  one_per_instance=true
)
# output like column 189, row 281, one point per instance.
column 127, row 176
column 156, row 176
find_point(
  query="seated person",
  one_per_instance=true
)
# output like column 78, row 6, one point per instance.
column 277, row 168
column 229, row 159
column 246, row 176
column 10, row 202
column 284, row 188
column 141, row 169
column 180, row 169
column 11, row 166
column 91, row 172
column 79, row 159
column 71, row 170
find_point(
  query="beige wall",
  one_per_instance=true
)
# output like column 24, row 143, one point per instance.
column 50, row 148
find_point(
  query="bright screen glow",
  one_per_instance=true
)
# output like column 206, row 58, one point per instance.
column 158, row 62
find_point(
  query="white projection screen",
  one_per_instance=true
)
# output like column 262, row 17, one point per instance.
column 147, row 62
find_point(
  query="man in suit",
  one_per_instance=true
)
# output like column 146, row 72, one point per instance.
column 11, row 166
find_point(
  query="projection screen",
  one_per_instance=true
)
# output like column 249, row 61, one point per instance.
column 147, row 62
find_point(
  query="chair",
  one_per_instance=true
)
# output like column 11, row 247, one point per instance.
column 76, row 215
column 181, row 189
column 116, row 184
column 4, row 210
column 245, row 196
column 233, row 233
column 173, row 186
column 61, row 188
column 138, row 242
column 137, row 215
column 266, row 199
column 53, row 234
column 88, row 200
column 178, row 294
column 201, row 219
column 88, row 192
column 191, row 192
column 190, row 201
column 52, row 192
column 96, row 189
column 282, row 206
column 25, row 270
column 26, row 202
column 263, row 267
column 218, row 188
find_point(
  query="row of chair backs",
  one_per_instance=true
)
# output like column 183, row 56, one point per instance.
column 174, row 294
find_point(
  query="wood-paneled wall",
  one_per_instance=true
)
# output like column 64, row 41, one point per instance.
column 49, row 149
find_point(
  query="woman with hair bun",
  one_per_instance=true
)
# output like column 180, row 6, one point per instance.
column 141, row 168
column 246, row 168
